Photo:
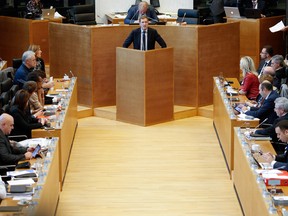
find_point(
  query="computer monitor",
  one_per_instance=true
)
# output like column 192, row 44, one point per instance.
column 137, row 2
column 155, row 3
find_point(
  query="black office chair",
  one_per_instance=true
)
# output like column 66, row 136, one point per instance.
column 6, row 85
column 5, row 98
column 16, row 63
column 190, row 16
column 13, row 90
column 83, row 15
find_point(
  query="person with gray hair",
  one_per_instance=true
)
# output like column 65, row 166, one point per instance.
column 28, row 64
column 137, row 11
column 281, row 109
column 279, row 66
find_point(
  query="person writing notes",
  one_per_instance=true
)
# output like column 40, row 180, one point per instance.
column 135, row 12
column 144, row 38
column 279, row 161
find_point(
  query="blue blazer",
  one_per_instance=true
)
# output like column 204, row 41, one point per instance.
column 135, row 38
column 266, row 110
column 133, row 15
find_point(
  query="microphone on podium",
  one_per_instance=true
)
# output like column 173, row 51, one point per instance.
column 183, row 17
column 71, row 73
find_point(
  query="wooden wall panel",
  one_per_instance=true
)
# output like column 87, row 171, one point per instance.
column 17, row 34
column 70, row 49
column 14, row 38
column 218, row 52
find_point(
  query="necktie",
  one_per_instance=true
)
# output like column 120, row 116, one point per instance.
column 144, row 41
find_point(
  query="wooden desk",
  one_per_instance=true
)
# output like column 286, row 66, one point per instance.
column 245, row 179
column 66, row 129
column 254, row 34
column 118, row 19
column 224, row 120
column 47, row 189
column 3, row 65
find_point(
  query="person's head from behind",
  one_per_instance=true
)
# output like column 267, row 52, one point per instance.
column 42, row 74
column 266, row 77
column 143, row 7
column 247, row 65
column 281, row 130
column 29, row 59
column 277, row 61
column 34, row 76
column 21, row 99
column 30, row 87
column 266, row 52
column 6, row 123
column 281, row 106
column 144, row 22
column 269, row 70
column 265, row 88
column 36, row 49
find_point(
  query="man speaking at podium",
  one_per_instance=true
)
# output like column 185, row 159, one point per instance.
column 135, row 12
column 144, row 38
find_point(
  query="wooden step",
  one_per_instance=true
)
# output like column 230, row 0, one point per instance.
column 83, row 111
column 181, row 112
column 206, row 111
column 108, row 112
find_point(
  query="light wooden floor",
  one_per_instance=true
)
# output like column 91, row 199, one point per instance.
column 169, row 169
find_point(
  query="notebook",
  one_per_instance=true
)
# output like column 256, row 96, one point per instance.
column 252, row 13
column 48, row 13
column 233, row 12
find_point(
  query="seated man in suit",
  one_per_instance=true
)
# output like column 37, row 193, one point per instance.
column 143, row 8
column 279, row 161
column 281, row 109
column 255, row 4
column 266, row 110
column 265, row 55
column 144, row 38
column 279, row 66
column 9, row 154
column 28, row 64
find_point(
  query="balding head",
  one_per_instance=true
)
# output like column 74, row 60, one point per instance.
column 6, row 123
column 142, row 7
column 269, row 70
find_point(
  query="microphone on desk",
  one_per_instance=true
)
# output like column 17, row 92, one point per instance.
column 183, row 17
column 260, row 124
column 71, row 73
column 133, row 16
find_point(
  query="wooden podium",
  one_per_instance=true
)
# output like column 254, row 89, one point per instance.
column 144, row 86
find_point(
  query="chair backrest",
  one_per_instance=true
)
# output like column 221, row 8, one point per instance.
column 6, row 85
column 5, row 98
column 83, row 14
column 13, row 90
column 190, row 16
column 16, row 63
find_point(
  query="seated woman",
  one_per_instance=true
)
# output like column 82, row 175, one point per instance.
column 40, row 65
column 34, row 8
column 250, row 83
column 37, row 97
column 35, row 106
column 24, row 122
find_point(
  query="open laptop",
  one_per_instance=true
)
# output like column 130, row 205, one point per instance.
column 232, row 12
column 252, row 13
column 48, row 13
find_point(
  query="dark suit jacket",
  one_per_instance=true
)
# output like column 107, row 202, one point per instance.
column 9, row 155
column 270, row 131
column 261, row 64
column 133, row 15
column 135, row 38
column 23, row 122
column 266, row 110
column 217, row 7
column 282, row 161
column 248, row 4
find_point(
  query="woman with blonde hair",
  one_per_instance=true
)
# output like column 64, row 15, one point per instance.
column 40, row 65
column 250, row 83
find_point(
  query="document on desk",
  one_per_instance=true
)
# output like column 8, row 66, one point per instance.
column 34, row 142
column 28, row 181
column 278, row 27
